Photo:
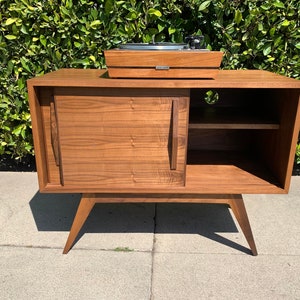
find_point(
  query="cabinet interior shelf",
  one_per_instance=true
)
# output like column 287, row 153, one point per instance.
column 218, row 168
column 230, row 118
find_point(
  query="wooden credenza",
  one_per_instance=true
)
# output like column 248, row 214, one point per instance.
column 157, row 140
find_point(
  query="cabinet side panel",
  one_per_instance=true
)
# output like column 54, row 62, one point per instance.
column 38, row 135
column 278, row 146
column 289, row 130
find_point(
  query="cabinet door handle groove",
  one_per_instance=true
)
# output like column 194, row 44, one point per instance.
column 174, row 128
column 55, row 140
column 54, row 133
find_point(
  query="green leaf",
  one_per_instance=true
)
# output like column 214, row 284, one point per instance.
column 43, row 40
column 132, row 15
column 108, row 6
column 285, row 23
column 245, row 37
column 92, row 58
column 95, row 23
column 267, row 49
column 171, row 30
column 278, row 4
column 272, row 31
column 160, row 27
column 17, row 131
column 21, row 83
column 24, row 64
column 10, row 37
column 10, row 21
column 153, row 11
column 238, row 16
column 277, row 41
column 77, row 44
column 24, row 29
column 65, row 11
column 211, row 97
column 265, row 6
column 204, row 5
column 297, row 45
column 58, row 55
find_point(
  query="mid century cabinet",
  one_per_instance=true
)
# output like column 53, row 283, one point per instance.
column 157, row 140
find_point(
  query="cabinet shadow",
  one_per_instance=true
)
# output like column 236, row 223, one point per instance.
column 55, row 212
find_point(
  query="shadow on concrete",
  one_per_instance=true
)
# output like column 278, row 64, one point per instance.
column 55, row 212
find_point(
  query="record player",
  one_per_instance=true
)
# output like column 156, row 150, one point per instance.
column 163, row 60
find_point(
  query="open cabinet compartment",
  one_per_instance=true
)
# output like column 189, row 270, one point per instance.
column 241, row 142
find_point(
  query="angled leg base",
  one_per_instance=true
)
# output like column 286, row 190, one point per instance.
column 238, row 208
column 85, row 206
column 88, row 201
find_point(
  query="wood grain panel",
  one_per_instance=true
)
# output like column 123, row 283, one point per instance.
column 170, row 73
column 119, row 141
column 235, row 79
column 186, row 59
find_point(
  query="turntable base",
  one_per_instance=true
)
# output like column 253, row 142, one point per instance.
column 177, row 64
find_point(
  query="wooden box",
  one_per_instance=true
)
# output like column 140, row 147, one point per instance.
column 163, row 63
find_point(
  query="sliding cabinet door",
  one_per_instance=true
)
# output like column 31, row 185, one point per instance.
column 121, row 138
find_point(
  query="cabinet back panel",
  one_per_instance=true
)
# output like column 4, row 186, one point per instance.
column 221, row 140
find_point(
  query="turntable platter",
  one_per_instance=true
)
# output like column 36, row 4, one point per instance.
column 153, row 46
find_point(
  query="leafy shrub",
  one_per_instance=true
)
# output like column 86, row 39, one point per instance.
column 297, row 160
column 41, row 36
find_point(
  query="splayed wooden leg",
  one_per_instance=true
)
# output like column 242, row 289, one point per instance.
column 238, row 208
column 86, row 204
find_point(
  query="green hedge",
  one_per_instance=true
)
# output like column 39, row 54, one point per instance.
column 40, row 36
